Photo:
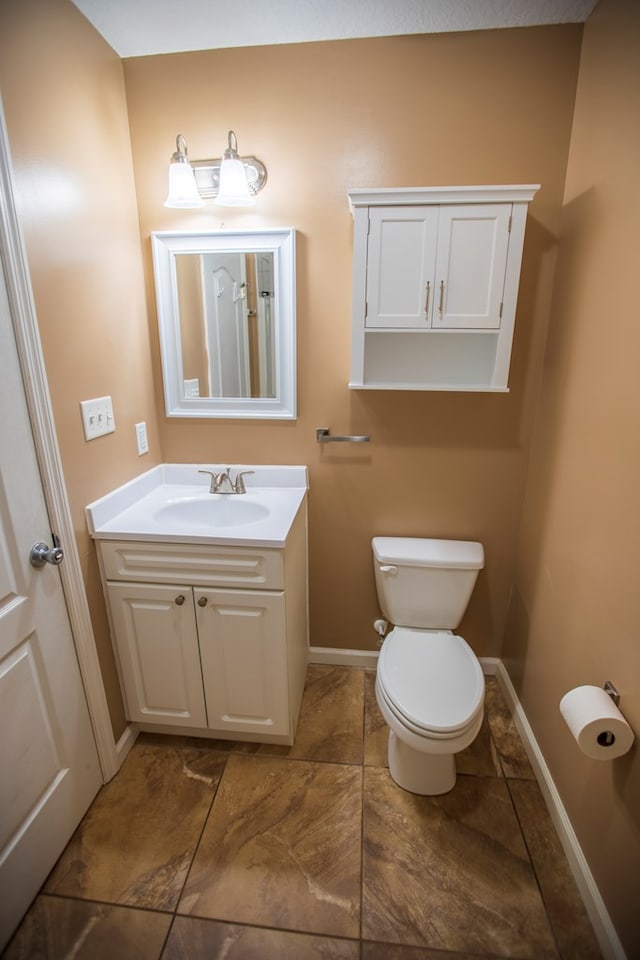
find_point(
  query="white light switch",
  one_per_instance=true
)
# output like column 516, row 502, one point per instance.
column 141, row 438
column 97, row 417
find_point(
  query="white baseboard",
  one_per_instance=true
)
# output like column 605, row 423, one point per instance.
column 489, row 665
column 343, row 658
column 603, row 927
column 125, row 743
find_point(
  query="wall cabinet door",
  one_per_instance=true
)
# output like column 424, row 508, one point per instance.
column 244, row 659
column 473, row 241
column 441, row 266
column 157, row 644
column 400, row 266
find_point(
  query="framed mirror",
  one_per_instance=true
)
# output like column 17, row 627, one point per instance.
column 227, row 319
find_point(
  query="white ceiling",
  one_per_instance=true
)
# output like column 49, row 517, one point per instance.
column 142, row 27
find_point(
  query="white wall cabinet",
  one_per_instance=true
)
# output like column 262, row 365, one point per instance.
column 210, row 640
column 435, row 283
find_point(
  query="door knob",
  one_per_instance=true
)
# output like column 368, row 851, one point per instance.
column 42, row 553
column 202, row 602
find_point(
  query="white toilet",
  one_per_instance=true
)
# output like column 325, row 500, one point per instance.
column 429, row 683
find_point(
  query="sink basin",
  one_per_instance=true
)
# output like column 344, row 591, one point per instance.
column 212, row 510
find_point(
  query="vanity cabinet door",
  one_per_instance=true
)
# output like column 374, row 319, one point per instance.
column 244, row 660
column 401, row 260
column 157, row 644
column 473, row 242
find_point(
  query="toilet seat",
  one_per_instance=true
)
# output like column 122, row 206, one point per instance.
column 431, row 681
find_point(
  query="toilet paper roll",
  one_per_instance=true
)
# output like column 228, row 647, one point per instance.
column 599, row 728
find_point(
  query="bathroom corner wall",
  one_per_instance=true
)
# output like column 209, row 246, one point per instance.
column 66, row 114
column 574, row 612
column 469, row 108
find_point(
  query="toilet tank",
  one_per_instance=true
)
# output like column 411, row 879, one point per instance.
column 425, row 583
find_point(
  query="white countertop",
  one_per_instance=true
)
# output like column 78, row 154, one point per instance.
column 137, row 510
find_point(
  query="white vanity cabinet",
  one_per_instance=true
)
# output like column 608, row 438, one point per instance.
column 435, row 283
column 211, row 640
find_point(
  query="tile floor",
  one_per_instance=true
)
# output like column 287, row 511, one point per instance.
column 207, row 849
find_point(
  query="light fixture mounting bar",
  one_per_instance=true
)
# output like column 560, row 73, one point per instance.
column 207, row 175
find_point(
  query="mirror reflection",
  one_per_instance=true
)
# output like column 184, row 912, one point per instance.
column 226, row 305
column 226, row 315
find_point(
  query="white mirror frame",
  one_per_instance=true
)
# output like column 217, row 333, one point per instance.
column 280, row 242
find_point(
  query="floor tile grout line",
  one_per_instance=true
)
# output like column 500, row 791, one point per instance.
column 54, row 895
column 167, row 935
column 173, row 915
column 263, row 926
column 535, row 873
column 362, row 776
column 198, row 842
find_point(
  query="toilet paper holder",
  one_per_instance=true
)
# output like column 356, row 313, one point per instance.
column 613, row 693
column 593, row 716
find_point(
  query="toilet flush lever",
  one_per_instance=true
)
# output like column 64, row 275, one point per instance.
column 387, row 568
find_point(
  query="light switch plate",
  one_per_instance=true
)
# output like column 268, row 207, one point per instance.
column 97, row 417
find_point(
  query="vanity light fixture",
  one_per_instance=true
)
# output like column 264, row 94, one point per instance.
column 231, row 181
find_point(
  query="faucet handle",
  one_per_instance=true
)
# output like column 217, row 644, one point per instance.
column 239, row 484
column 212, row 488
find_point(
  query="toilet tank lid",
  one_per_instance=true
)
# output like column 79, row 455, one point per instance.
column 423, row 552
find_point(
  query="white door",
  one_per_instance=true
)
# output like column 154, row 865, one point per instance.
column 225, row 303
column 473, row 241
column 49, row 770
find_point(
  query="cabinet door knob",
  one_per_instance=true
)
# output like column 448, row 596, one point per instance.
column 202, row 601
column 426, row 299
column 440, row 305
column 180, row 600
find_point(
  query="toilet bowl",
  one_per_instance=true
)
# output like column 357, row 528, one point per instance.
column 430, row 690
column 429, row 683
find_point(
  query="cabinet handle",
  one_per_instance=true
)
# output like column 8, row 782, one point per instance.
column 180, row 600
column 440, row 305
column 426, row 302
column 202, row 601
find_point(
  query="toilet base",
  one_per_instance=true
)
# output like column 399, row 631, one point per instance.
column 427, row 774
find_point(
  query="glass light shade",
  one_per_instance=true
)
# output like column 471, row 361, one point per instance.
column 182, row 186
column 234, row 189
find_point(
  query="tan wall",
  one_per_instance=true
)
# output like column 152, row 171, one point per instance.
column 65, row 107
column 474, row 108
column 574, row 618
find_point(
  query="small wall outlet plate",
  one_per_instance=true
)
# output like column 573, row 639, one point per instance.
column 141, row 438
column 97, row 417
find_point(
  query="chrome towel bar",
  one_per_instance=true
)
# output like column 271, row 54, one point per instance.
column 323, row 436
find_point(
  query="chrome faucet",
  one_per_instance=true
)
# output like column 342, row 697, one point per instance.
column 222, row 483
